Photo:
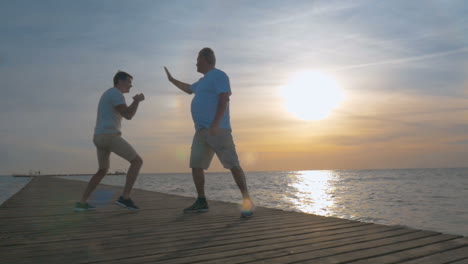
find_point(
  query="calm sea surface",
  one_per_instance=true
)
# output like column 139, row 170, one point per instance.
column 429, row 199
column 10, row 185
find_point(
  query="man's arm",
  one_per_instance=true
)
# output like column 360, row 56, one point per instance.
column 181, row 85
column 129, row 111
column 220, row 110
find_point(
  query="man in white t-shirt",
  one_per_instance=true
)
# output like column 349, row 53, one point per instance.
column 108, row 138
column 210, row 113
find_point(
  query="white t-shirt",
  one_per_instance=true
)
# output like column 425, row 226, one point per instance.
column 108, row 118
column 205, row 101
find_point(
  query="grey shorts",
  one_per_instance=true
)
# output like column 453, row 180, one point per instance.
column 205, row 145
column 107, row 143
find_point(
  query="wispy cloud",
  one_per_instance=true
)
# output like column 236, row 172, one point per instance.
column 404, row 60
column 305, row 10
column 460, row 142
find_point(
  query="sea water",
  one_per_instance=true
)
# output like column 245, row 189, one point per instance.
column 10, row 185
column 428, row 199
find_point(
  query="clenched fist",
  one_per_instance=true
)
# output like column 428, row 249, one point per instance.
column 139, row 97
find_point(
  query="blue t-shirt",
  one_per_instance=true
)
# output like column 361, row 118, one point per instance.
column 205, row 101
column 108, row 118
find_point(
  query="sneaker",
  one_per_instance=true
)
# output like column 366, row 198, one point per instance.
column 127, row 203
column 247, row 209
column 80, row 207
column 200, row 205
column 246, row 213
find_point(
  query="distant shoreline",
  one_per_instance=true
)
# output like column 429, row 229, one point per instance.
column 54, row 175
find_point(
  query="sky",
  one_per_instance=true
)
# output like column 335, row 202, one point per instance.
column 400, row 68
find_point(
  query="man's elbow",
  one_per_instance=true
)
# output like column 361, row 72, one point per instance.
column 127, row 116
column 224, row 99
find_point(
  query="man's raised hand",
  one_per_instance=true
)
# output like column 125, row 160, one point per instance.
column 169, row 76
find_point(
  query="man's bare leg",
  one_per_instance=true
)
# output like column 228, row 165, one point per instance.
column 239, row 177
column 198, row 175
column 200, row 204
column 93, row 182
column 132, row 174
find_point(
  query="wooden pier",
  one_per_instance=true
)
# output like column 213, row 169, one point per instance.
column 38, row 225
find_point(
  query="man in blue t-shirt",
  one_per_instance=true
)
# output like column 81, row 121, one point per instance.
column 107, row 138
column 210, row 113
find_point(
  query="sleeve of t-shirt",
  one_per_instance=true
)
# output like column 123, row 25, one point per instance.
column 117, row 98
column 194, row 86
column 221, row 83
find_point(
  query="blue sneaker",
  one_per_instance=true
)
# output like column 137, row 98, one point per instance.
column 247, row 209
column 127, row 203
column 247, row 214
column 200, row 205
column 80, row 207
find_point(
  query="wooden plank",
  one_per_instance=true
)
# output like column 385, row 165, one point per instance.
column 161, row 246
column 41, row 228
column 443, row 257
column 227, row 235
column 408, row 254
column 255, row 250
column 237, row 226
column 462, row 261
column 171, row 238
column 162, row 250
column 317, row 250
column 361, row 251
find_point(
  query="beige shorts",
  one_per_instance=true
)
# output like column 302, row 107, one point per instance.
column 107, row 143
column 205, row 145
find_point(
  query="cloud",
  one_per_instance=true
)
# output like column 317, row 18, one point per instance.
column 405, row 60
column 3, row 61
column 460, row 142
column 300, row 12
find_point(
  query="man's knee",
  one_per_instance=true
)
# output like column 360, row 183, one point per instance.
column 103, row 171
column 198, row 170
column 236, row 168
column 137, row 161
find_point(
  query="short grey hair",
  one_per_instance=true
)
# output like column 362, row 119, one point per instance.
column 209, row 55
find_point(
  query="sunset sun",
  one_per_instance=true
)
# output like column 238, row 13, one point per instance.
column 311, row 95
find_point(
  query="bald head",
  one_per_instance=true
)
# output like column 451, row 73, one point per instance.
column 206, row 60
column 209, row 55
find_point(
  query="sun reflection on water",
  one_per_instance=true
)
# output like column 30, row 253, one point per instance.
column 313, row 191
